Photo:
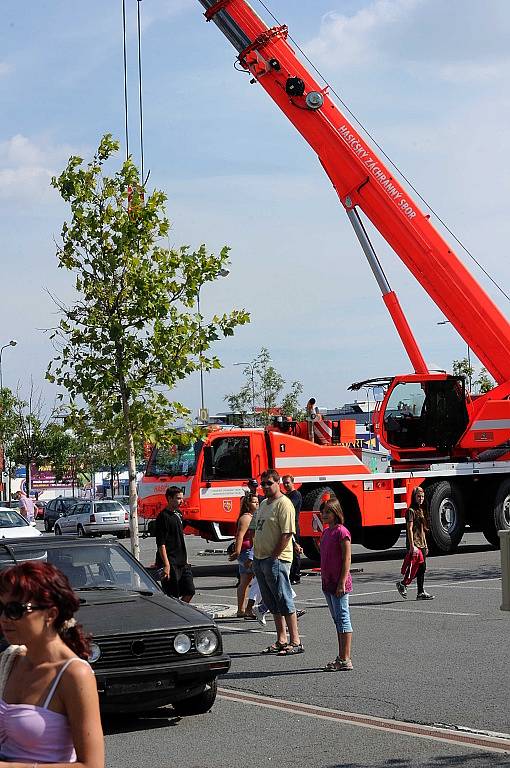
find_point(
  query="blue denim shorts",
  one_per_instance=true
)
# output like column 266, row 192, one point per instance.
column 274, row 583
column 245, row 559
column 339, row 610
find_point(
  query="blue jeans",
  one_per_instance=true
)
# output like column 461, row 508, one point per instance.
column 339, row 610
column 274, row 583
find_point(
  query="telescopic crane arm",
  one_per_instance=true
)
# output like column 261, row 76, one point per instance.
column 363, row 182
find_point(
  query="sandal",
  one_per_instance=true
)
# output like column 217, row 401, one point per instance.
column 339, row 665
column 240, row 615
column 291, row 649
column 274, row 648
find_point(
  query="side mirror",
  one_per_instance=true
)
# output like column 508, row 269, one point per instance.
column 208, row 472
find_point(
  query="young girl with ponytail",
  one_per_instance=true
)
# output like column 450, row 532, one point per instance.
column 49, row 707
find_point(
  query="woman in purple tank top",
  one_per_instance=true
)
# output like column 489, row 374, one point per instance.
column 49, row 707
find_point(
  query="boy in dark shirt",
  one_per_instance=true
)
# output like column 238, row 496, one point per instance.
column 177, row 578
column 297, row 500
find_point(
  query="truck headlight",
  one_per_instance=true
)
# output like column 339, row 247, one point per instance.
column 206, row 641
column 182, row 643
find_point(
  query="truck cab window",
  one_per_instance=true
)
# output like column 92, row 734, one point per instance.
column 231, row 458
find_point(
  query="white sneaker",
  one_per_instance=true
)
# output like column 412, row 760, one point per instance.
column 260, row 615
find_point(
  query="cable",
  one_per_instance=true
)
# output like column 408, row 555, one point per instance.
column 125, row 77
column 140, row 101
column 390, row 161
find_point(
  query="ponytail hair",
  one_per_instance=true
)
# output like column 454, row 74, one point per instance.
column 47, row 586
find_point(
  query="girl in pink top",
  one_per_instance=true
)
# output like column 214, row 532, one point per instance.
column 336, row 580
column 49, row 707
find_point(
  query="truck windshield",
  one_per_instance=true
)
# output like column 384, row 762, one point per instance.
column 174, row 460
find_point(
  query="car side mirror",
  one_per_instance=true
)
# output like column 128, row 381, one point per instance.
column 209, row 469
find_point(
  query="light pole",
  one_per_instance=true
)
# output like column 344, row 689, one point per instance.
column 223, row 272
column 448, row 322
column 12, row 343
column 252, row 376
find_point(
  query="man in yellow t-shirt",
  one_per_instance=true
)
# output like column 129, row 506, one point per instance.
column 272, row 549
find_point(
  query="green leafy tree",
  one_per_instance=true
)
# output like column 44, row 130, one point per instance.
column 28, row 445
column 262, row 390
column 7, row 428
column 464, row 368
column 132, row 332
column 484, row 383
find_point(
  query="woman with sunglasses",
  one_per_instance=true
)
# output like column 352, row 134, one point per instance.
column 49, row 707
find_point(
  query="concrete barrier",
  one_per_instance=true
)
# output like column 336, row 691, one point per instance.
column 505, row 569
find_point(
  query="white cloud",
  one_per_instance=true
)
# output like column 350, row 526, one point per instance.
column 27, row 165
column 426, row 35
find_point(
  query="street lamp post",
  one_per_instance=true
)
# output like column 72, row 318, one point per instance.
column 448, row 322
column 12, row 343
column 252, row 376
column 222, row 273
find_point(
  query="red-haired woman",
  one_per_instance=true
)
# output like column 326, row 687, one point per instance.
column 49, row 708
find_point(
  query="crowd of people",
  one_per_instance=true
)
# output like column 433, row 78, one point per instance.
column 49, row 707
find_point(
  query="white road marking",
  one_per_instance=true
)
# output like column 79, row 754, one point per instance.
column 409, row 610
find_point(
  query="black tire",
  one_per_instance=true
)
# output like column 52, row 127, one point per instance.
column 57, row 530
column 198, row 705
column 499, row 517
column 81, row 531
column 446, row 517
column 380, row 536
column 311, row 503
column 47, row 526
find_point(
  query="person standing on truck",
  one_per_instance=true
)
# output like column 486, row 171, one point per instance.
column 297, row 501
column 274, row 528
column 177, row 580
column 416, row 528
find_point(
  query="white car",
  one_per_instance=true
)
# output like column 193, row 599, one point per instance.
column 93, row 518
column 14, row 526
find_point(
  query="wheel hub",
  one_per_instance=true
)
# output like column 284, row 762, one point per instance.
column 448, row 515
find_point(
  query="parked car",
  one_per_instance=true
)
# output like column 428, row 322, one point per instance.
column 93, row 518
column 56, row 508
column 13, row 525
column 39, row 509
column 148, row 649
column 124, row 500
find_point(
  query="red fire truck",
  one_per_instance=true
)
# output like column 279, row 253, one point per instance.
column 454, row 444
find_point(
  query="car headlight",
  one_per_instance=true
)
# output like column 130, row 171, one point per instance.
column 182, row 643
column 206, row 642
column 95, row 653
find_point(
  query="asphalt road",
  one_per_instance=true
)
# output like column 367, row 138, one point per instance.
column 443, row 662
column 431, row 681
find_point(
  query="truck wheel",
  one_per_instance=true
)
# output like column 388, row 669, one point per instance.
column 311, row 503
column 380, row 536
column 197, row 705
column 446, row 517
column 499, row 519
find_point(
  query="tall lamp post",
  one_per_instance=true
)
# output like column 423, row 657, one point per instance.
column 222, row 273
column 252, row 376
column 12, row 343
column 448, row 322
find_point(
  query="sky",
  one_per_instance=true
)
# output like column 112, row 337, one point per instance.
column 427, row 78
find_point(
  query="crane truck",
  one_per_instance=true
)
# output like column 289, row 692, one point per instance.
column 454, row 444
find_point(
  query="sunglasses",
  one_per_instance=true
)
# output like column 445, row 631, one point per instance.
column 267, row 483
column 16, row 610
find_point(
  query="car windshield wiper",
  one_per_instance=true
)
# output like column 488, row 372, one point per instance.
column 96, row 587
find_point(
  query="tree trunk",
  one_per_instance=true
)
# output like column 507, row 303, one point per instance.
column 112, row 481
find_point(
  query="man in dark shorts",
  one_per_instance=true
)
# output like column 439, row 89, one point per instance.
column 177, row 578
